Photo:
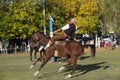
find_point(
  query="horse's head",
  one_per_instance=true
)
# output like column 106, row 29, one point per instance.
column 38, row 37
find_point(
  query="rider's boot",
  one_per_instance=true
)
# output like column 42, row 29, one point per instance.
column 41, row 47
column 48, row 45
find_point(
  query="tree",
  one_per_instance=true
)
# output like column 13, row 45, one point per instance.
column 111, row 17
column 88, row 15
column 20, row 19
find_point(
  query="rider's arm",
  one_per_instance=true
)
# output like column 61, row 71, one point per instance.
column 58, row 30
column 63, row 28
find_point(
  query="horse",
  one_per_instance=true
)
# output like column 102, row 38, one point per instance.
column 35, row 46
column 60, row 49
column 35, row 49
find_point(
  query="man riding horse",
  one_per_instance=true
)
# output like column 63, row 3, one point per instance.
column 68, row 29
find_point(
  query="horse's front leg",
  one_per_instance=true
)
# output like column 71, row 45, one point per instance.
column 34, row 63
column 31, row 53
column 35, row 54
column 45, row 60
column 41, row 55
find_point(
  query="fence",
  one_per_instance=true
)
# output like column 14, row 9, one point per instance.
column 6, row 48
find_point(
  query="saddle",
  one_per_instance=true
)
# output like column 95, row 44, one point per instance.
column 62, row 43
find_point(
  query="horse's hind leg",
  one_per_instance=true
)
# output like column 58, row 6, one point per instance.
column 34, row 63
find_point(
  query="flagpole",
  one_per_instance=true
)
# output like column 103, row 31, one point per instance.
column 43, row 1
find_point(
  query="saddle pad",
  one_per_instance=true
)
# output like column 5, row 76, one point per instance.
column 63, row 43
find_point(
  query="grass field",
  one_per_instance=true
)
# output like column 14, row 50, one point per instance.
column 105, row 66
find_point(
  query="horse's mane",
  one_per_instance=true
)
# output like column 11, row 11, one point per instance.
column 41, row 33
column 37, row 32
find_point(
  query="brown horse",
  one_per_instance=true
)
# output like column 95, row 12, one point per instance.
column 35, row 49
column 61, row 49
column 35, row 45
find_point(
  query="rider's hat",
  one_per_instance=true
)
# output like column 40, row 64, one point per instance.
column 73, row 21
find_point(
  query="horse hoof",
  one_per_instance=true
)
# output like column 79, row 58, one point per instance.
column 68, row 76
column 61, row 69
column 31, row 66
column 36, row 73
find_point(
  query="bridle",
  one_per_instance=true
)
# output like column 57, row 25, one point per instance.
column 42, row 39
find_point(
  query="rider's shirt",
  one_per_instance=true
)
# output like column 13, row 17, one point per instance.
column 65, row 27
column 69, row 28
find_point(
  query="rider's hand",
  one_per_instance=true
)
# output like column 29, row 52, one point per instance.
column 58, row 30
column 54, row 32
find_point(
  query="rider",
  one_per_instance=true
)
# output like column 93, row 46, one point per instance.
column 68, row 29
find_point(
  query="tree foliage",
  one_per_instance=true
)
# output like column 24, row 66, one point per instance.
column 88, row 15
column 86, row 12
column 19, row 18
column 111, row 16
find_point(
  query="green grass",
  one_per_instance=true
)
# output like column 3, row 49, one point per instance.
column 105, row 66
